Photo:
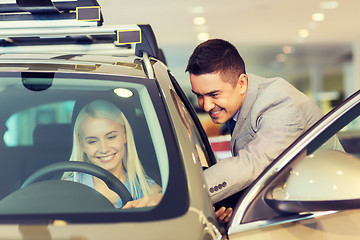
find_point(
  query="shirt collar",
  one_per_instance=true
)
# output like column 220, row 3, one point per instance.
column 235, row 117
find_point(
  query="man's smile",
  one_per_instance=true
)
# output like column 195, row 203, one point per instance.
column 215, row 113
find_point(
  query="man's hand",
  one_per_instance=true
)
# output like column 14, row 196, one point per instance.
column 224, row 214
column 147, row 201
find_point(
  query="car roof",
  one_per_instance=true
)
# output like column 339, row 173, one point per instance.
column 80, row 63
column 75, row 37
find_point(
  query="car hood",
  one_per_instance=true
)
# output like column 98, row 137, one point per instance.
column 189, row 226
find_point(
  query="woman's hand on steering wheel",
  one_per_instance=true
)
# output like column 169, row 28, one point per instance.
column 149, row 200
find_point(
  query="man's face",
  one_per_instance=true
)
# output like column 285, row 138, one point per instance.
column 219, row 98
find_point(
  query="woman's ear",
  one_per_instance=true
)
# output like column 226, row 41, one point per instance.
column 124, row 135
column 82, row 147
column 81, row 144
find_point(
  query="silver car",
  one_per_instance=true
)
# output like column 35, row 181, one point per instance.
column 49, row 74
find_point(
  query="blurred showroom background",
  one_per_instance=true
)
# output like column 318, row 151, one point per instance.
column 314, row 44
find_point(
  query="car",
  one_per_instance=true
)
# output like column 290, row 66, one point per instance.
column 47, row 76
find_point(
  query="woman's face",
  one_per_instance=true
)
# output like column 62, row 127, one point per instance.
column 103, row 141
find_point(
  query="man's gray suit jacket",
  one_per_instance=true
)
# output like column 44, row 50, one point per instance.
column 273, row 115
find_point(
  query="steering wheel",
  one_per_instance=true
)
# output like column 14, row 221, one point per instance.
column 110, row 180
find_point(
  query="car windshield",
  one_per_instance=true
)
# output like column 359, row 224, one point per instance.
column 61, row 118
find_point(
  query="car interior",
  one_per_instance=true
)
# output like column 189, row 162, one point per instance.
column 38, row 115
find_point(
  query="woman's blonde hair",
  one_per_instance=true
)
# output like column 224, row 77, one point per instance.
column 131, row 162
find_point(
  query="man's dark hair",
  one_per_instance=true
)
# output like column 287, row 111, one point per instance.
column 215, row 55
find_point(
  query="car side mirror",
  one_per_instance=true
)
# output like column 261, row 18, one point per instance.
column 324, row 180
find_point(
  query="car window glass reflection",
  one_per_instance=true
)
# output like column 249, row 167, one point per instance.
column 192, row 130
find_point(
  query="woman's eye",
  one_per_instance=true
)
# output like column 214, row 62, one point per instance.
column 90, row 142
column 112, row 137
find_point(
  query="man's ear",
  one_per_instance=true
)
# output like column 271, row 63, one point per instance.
column 242, row 82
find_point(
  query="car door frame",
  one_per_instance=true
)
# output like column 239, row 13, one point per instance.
column 211, row 159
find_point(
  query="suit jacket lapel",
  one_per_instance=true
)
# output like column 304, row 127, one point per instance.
column 250, row 97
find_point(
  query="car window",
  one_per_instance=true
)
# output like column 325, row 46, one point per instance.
column 193, row 131
column 39, row 129
column 350, row 137
column 192, row 122
column 21, row 125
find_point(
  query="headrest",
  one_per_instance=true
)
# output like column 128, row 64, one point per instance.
column 52, row 135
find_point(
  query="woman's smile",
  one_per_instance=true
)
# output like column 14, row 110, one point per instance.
column 107, row 158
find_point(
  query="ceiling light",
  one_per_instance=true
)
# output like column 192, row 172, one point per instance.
column 203, row 36
column 304, row 33
column 329, row 4
column 122, row 92
column 318, row 17
column 199, row 21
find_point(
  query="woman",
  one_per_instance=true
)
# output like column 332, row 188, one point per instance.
column 103, row 136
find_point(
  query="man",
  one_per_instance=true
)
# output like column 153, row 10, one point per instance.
column 267, row 114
